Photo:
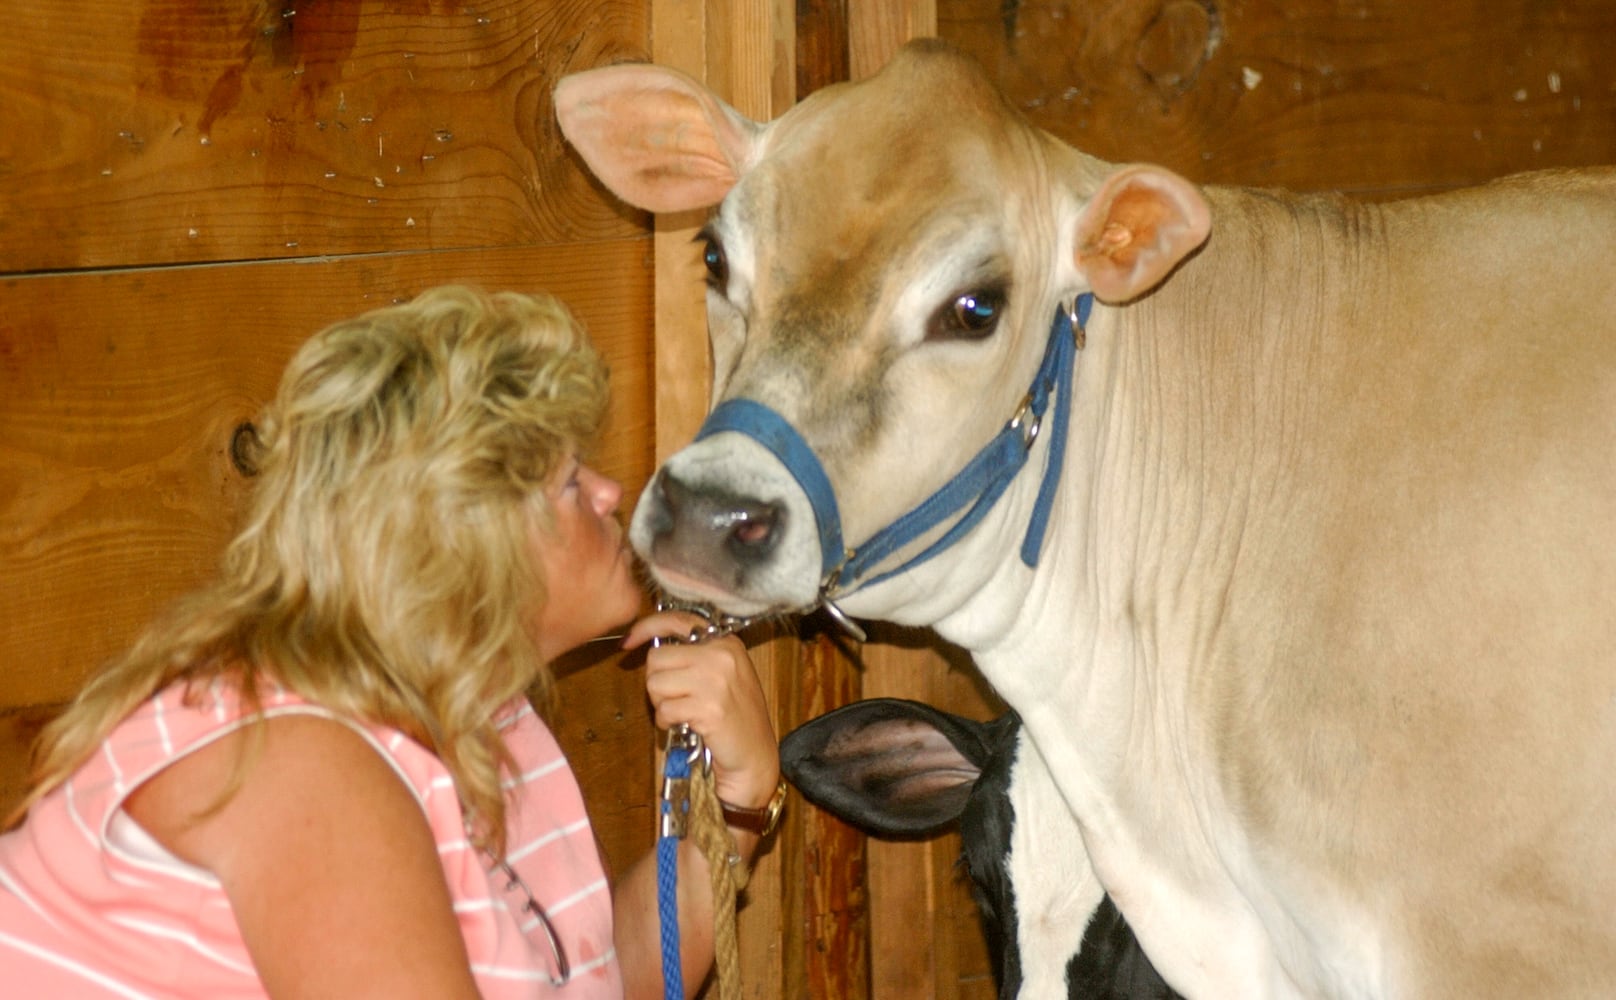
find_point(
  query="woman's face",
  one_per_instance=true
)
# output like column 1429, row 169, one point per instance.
column 588, row 570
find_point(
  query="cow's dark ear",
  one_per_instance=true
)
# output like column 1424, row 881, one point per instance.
column 895, row 768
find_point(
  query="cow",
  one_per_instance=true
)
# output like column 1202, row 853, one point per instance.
column 901, row 769
column 1283, row 521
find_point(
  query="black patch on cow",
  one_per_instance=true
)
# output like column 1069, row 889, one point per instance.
column 901, row 769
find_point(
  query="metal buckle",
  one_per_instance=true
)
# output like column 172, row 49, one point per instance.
column 1029, row 430
column 675, row 820
column 827, row 590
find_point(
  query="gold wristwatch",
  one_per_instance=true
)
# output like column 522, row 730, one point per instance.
column 759, row 821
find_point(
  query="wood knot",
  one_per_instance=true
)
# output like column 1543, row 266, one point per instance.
column 1176, row 44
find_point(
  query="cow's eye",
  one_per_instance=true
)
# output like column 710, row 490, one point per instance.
column 972, row 315
column 712, row 258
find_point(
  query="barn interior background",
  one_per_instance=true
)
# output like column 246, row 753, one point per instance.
column 188, row 188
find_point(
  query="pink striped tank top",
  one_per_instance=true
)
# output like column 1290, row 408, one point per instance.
column 91, row 906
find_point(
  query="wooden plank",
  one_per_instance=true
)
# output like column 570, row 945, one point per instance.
column 766, row 915
column 903, row 904
column 743, row 50
column 829, row 948
column 966, row 971
column 925, row 933
column 876, row 29
column 1380, row 97
column 680, row 40
column 18, row 727
column 156, row 133
column 822, row 47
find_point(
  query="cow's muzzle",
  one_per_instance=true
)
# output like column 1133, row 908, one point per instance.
column 711, row 533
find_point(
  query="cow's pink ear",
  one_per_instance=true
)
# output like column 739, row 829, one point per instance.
column 1136, row 228
column 657, row 138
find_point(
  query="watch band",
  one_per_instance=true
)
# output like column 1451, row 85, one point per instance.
column 759, row 821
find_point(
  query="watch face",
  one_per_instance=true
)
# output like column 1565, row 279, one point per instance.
column 776, row 806
column 762, row 820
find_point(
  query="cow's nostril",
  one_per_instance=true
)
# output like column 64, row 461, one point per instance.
column 669, row 491
column 747, row 529
column 752, row 531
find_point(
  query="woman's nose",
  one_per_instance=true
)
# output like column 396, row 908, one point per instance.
column 606, row 491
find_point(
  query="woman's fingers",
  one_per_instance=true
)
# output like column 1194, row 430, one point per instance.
column 713, row 687
column 677, row 625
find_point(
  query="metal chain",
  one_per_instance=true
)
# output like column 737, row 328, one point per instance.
column 718, row 624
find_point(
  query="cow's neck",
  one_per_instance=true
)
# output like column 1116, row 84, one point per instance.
column 1112, row 651
column 1177, row 445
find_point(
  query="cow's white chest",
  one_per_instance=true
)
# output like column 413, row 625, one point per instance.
column 1218, row 931
column 1209, row 917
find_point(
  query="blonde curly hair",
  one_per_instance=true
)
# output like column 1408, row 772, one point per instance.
column 382, row 568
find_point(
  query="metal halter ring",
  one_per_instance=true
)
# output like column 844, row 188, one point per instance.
column 1029, row 430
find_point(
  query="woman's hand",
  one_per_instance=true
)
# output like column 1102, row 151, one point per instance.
column 713, row 687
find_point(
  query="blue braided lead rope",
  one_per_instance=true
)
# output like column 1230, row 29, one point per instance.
column 676, row 766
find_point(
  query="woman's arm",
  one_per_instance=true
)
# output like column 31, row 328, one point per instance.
column 326, row 857
column 713, row 687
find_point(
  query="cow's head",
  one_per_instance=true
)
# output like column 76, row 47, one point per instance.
column 882, row 272
column 901, row 769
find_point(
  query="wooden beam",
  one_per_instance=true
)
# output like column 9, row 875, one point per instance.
column 877, row 28
column 745, row 51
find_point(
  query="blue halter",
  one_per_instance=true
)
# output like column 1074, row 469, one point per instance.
column 980, row 483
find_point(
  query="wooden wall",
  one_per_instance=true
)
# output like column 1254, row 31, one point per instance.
column 189, row 190
column 1375, row 97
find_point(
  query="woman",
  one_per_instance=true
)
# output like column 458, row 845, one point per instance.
column 320, row 776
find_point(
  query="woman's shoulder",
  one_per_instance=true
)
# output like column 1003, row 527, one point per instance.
column 318, row 842
column 295, row 761
column 192, row 745
column 189, row 715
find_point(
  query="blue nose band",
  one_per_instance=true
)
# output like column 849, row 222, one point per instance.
column 769, row 429
column 974, row 489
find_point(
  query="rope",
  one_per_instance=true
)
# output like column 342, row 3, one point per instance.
column 712, row 835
